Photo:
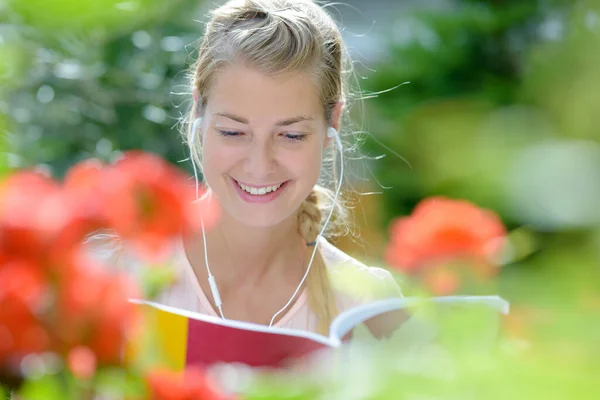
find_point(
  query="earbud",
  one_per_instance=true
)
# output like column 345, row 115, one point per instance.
column 191, row 143
column 331, row 132
column 196, row 126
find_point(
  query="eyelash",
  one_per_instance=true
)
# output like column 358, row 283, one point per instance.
column 298, row 137
column 228, row 133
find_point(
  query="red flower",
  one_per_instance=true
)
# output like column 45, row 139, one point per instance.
column 52, row 298
column 82, row 362
column 441, row 229
column 147, row 201
column 116, row 320
column 143, row 198
column 29, row 217
column 191, row 385
column 93, row 310
column 22, row 280
column 82, row 189
column 86, row 307
column 21, row 332
column 39, row 221
column 22, row 293
column 84, row 176
column 442, row 280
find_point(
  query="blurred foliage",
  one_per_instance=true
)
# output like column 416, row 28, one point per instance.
column 502, row 110
column 487, row 79
column 60, row 17
column 91, row 79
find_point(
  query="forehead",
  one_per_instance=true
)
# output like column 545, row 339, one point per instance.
column 248, row 92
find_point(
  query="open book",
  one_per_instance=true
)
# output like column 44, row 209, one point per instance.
column 187, row 338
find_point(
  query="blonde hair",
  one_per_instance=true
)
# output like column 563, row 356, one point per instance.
column 278, row 37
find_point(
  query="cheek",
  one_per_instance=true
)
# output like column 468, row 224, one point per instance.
column 214, row 163
column 215, row 156
column 306, row 164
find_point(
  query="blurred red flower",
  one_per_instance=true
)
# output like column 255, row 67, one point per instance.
column 23, row 280
column 82, row 190
column 93, row 310
column 442, row 279
column 21, row 333
column 84, row 177
column 191, row 385
column 441, row 230
column 23, row 288
column 40, row 222
column 82, row 362
column 146, row 201
column 54, row 298
column 29, row 216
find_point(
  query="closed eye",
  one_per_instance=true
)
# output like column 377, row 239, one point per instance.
column 229, row 133
column 294, row 137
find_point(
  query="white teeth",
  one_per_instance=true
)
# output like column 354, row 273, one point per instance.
column 259, row 191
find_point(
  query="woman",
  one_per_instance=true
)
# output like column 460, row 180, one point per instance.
column 269, row 90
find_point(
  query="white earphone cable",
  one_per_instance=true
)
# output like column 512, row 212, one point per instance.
column 211, row 279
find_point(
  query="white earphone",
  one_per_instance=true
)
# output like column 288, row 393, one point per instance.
column 331, row 134
column 196, row 127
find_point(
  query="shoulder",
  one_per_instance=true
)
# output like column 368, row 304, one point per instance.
column 104, row 247
column 113, row 253
column 354, row 280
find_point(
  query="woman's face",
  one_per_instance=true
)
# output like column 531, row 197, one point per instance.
column 263, row 139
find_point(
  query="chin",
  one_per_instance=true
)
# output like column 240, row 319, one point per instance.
column 262, row 220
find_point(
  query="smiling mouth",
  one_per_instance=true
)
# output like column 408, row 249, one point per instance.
column 259, row 191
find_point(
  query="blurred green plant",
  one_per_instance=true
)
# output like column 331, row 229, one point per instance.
column 501, row 111
column 94, row 78
column 487, row 79
column 60, row 17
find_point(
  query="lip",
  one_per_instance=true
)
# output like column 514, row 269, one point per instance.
column 263, row 199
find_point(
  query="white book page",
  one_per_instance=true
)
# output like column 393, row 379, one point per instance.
column 349, row 319
column 238, row 324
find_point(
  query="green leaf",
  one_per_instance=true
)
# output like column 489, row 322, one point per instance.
column 155, row 279
column 49, row 387
column 118, row 383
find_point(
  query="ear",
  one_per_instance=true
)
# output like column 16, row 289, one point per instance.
column 336, row 115
column 197, row 104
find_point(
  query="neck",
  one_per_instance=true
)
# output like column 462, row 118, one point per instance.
column 261, row 246
column 237, row 252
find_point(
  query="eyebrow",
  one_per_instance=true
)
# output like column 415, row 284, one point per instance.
column 284, row 122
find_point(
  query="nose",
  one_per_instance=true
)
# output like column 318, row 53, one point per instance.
column 261, row 162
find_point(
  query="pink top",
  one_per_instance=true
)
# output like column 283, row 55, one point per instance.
column 353, row 284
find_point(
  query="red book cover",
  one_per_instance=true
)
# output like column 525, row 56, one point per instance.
column 185, row 338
